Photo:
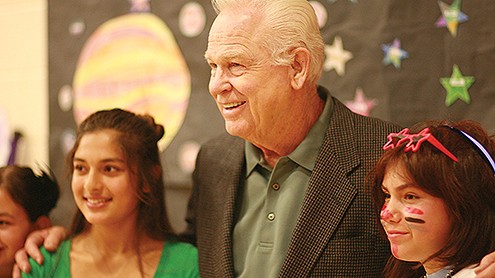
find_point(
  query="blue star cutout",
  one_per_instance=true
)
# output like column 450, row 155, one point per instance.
column 394, row 54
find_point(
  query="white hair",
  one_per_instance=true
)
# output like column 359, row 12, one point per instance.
column 286, row 25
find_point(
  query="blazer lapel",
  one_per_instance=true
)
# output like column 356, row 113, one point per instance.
column 328, row 195
column 231, row 172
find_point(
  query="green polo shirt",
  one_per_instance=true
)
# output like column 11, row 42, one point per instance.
column 271, row 200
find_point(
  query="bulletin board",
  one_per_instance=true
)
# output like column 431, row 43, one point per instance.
column 398, row 60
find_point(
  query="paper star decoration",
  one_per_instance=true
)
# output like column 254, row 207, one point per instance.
column 140, row 6
column 457, row 86
column 451, row 16
column 361, row 104
column 394, row 54
column 336, row 56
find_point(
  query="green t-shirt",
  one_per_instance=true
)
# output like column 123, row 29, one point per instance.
column 178, row 259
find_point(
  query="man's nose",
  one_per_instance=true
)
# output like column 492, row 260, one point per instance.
column 219, row 82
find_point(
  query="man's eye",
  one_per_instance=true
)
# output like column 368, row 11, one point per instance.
column 237, row 69
column 213, row 69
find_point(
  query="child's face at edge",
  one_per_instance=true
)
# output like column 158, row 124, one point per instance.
column 417, row 224
column 14, row 228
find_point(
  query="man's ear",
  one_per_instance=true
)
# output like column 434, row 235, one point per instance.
column 300, row 67
column 42, row 222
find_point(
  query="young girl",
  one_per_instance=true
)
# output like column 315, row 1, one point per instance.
column 121, row 228
column 26, row 199
column 434, row 191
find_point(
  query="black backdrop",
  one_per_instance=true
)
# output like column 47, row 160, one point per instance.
column 406, row 94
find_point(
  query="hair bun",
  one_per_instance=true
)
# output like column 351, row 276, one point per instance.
column 158, row 129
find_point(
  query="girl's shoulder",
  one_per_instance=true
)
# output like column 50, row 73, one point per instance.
column 55, row 264
column 179, row 259
column 180, row 251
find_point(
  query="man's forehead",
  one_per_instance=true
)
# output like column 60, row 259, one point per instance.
column 231, row 42
column 234, row 22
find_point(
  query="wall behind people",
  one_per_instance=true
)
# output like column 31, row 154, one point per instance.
column 23, row 81
column 385, row 59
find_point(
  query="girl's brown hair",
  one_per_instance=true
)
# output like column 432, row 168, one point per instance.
column 37, row 194
column 467, row 187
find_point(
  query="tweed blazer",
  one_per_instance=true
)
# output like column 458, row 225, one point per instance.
column 336, row 233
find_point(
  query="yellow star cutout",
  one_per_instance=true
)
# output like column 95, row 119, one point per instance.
column 336, row 56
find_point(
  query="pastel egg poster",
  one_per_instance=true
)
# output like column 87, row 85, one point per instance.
column 140, row 55
column 133, row 62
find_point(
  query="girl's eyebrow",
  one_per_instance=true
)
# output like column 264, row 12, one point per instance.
column 402, row 186
column 4, row 214
column 406, row 185
column 119, row 160
column 106, row 160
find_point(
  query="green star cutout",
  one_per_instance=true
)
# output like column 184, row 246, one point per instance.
column 457, row 86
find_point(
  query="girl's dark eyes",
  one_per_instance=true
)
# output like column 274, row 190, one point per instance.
column 4, row 223
column 109, row 168
column 410, row 197
column 78, row 167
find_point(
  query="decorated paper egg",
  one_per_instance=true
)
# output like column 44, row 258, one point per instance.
column 133, row 62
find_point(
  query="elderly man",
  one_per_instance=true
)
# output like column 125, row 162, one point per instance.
column 288, row 198
column 285, row 196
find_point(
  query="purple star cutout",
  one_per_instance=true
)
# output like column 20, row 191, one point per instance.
column 394, row 54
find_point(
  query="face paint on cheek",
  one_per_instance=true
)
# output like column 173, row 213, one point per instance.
column 414, row 211
column 414, row 220
column 395, row 249
column 385, row 213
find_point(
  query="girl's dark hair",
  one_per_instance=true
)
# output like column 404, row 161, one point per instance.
column 37, row 194
column 138, row 137
column 467, row 187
